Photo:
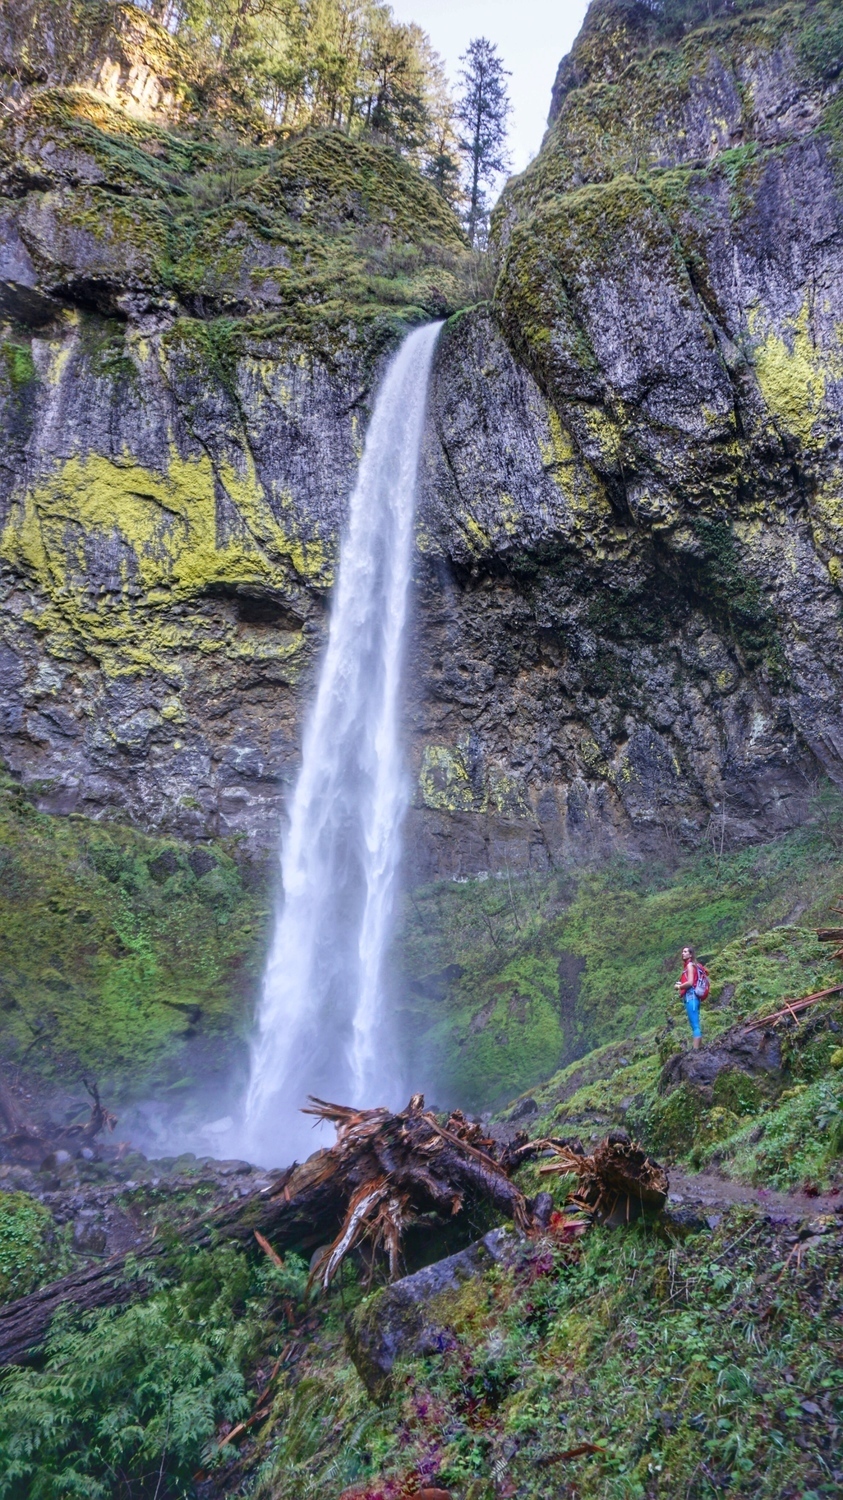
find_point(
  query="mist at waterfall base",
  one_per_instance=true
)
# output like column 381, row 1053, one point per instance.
column 322, row 1026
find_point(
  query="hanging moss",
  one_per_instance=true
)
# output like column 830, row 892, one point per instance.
column 18, row 364
column 736, row 597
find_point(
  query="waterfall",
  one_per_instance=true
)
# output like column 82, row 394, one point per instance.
column 321, row 1026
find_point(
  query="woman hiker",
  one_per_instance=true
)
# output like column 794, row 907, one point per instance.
column 688, row 987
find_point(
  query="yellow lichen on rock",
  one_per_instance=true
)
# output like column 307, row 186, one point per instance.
column 792, row 373
column 826, row 514
column 605, row 434
column 150, row 540
column 447, row 784
column 558, row 451
column 444, row 780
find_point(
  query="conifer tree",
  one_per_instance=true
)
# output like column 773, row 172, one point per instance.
column 482, row 110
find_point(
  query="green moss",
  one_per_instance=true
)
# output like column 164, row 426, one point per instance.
column 18, row 363
column 729, row 588
column 664, row 1356
column 819, row 43
column 625, row 117
column 347, row 231
column 31, row 1250
column 795, row 1143
column 538, row 971
column 163, row 529
column 107, row 350
column 117, row 960
column 673, row 1123
column 737, row 1092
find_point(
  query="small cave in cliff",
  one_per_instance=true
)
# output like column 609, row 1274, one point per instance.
column 256, row 607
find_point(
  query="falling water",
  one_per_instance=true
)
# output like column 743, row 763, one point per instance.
column 321, row 1024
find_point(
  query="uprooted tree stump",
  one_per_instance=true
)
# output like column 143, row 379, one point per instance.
column 384, row 1172
column 616, row 1183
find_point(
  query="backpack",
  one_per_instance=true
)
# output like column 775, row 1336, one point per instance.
column 703, row 984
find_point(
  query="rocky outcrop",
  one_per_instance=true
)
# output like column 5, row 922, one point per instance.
column 415, row 1315
column 119, row 49
column 635, row 526
column 193, row 334
column 758, row 1054
column 627, row 620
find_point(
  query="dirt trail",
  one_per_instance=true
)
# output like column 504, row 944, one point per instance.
column 716, row 1194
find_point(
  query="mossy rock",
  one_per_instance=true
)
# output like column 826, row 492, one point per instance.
column 737, row 1093
column 672, row 1124
column 420, row 1314
column 30, row 1251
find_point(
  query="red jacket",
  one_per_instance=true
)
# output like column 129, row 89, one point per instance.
column 689, row 976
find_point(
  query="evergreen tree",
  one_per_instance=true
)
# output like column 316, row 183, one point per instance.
column 482, row 110
column 346, row 64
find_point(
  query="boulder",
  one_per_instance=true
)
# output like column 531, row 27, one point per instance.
column 411, row 1317
column 756, row 1053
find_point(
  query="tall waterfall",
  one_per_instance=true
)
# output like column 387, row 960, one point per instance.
column 321, row 1025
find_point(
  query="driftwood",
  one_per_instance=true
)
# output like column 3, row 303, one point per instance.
column 384, row 1171
column 616, row 1183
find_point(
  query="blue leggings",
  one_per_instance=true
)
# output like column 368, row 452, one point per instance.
column 692, row 1006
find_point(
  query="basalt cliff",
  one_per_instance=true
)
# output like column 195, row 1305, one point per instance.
column 627, row 619
column 622, row 713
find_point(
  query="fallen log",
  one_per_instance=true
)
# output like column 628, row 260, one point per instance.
column 384, row 1171
column 792, row 1007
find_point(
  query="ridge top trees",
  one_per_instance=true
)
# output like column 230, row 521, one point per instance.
column 482, row 110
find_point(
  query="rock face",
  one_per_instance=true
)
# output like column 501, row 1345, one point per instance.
column 670, row 275
column 627, row 621
column 755, row 1053
column 192, row 335
column 118, row 49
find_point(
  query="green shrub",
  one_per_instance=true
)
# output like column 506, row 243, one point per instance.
column 29, row 1247
column 130, row 1399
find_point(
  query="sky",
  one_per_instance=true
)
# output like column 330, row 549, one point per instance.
column 531, row 37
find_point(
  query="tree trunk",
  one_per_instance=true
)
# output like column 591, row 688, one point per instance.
column 300, row 1209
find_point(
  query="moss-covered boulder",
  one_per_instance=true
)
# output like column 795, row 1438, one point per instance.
column 418, row 1314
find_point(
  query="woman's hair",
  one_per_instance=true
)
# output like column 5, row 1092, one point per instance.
column 692, row 951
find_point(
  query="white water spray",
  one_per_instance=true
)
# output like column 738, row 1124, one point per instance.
column 321, row 1025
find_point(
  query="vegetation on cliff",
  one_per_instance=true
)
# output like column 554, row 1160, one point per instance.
column 261, row 71
column 511, row 975
column 123, row 957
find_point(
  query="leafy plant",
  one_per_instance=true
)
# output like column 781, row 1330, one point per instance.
column 130, row 1400
column 30, row 1248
